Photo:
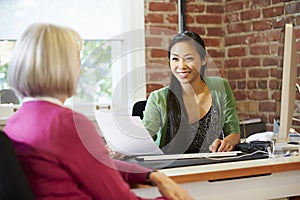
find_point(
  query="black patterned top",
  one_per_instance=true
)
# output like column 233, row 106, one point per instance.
column 198, row 136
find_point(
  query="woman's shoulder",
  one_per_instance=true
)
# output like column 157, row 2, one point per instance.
column 162, row 92
column 158, row 97
column 216, row 81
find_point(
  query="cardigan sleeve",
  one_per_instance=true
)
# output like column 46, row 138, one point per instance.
column 155, row 113
column 223, row 94
column 231, row 124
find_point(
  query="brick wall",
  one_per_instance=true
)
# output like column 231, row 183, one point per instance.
column 243, row 38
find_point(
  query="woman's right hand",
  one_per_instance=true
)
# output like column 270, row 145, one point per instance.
column 168, row 188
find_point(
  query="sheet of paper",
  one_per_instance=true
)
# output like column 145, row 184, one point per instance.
column 126, row 134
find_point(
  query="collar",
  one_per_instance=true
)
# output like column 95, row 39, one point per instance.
column 48, row 99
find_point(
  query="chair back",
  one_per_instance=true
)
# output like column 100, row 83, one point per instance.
column 13, row 183
column 138, row 108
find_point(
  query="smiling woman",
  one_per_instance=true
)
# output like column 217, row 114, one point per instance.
column 195, row 113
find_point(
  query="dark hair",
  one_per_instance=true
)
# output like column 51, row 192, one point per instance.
column 175, row 107
column 196, row 40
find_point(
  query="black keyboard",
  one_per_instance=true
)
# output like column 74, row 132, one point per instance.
column 164, row 164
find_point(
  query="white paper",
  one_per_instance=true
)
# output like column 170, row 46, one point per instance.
column 126, row 134
column 264, row 136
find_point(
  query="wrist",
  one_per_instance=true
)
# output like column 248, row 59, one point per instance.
column 148, row 177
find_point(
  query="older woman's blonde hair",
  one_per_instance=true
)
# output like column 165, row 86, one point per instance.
column 45, row 62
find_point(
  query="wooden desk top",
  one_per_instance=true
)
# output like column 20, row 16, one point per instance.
column 232, row 170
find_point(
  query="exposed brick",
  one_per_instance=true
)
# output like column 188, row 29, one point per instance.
column 241, row 84
column 153, row 86
column 259, row 49
column 250, row 14
column 280, row 22
column 232, row 63
column 215, row 31
column 276, row 96
column 267, row 106
column 232, row 84
column 274, row 72
column 237, row 51
column 153, row 42
column 271, row 61
column 261, row 25
column 158, row 63
column 272, row 12
column 161, row 30
column 236, row 74
column 251, row 84
column 235, row 40
column 197, row 8
column 293, row 7
column 249, row 106
column 162, row 6
column 154, row 18
column 262, row 84
column 232, row 17
column 209, row 19
column 255, row 38
column 215, row 9
column 234, row 6
column 258, row 73
column 172, row 18
column 257, row 95
column 260, row 3
column 189, row 19
column 254, row 61
column 239, row 95
column 198, row 30
column 278, row 1
column 273, row 84
column 159, row 53
column 160, row 77
column 213, row 42
column 255, row 26
column 214, row 1
column 298, row 20
column 215, row 53
column 273, row 35
column 297, row 33
column 238, row 27
column 214, row 72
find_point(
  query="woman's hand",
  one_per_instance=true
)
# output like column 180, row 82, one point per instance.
column 221, row 146
column 227, row 144
column 167, row 187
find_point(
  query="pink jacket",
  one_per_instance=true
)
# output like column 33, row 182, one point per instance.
column 64, row 157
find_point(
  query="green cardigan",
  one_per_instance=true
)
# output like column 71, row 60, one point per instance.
column 155, row 114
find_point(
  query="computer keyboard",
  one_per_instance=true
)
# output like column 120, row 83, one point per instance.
column 187, row 156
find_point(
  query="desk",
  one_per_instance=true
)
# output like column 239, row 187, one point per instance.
column 253, row 180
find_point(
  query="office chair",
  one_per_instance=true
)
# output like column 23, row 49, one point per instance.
column 13, row 183
column 138, row 108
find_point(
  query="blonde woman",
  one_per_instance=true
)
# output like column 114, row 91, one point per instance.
column 60, row 150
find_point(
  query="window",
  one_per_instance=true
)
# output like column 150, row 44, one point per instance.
column 113, row 63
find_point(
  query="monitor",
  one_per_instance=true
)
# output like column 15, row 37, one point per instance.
column 288, row 89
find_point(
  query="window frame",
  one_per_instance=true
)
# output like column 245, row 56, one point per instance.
column 128, row 66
